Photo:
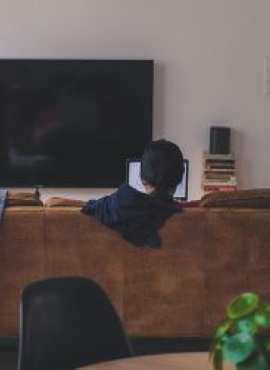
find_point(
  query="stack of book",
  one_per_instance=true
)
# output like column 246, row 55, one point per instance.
column 219, row 172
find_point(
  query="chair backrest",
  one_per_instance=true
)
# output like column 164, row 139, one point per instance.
column 68, row 322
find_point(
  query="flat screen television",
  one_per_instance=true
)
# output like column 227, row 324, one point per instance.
column 72, row 123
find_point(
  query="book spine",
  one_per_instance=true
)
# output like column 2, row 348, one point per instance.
column 219, row 156
column 218, row 167
column 219, row 183
column 216, row 162
column 219, row 178
column 208, row 188
column 221, row 171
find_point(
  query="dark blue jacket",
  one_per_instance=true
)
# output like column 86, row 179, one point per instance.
column 3, row 199
column 137, row 216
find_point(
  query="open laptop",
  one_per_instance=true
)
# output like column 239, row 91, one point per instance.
column 133, row 169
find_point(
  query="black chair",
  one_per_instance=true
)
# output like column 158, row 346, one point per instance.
column 68, row 322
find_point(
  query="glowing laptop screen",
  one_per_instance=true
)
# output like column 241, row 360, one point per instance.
column 134, row 179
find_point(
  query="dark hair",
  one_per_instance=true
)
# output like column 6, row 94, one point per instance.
column 162, row 165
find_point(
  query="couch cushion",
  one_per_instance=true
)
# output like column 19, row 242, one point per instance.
column 251, row 198
column 190, row 203
column 64, row 202
column 23, row 199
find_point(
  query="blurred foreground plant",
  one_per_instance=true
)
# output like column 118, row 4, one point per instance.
column 243, row 337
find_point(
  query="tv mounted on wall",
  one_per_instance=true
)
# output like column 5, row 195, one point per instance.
column 72, row 123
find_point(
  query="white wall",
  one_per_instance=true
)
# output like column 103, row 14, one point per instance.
column 209, row 58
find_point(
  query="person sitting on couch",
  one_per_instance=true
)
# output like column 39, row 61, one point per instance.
column 137, row 215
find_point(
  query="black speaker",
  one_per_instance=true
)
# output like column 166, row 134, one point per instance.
column 220, row 140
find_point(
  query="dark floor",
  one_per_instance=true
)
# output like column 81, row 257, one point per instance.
column 142, row 346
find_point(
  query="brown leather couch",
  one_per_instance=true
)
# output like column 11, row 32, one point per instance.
column 179, row 290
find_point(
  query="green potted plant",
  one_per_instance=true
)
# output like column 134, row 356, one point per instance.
column 243, row 337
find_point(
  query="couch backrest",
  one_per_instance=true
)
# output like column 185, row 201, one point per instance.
column 207, row 257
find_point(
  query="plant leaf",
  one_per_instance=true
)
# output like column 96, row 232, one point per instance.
column 238, row 347
column 218, row 360
column 254, row 363
column 247, row 324
column 223, row 327
column 243, row 305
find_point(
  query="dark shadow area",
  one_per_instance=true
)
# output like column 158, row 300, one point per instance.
column 145, row 346
column 141, row 346
column 8, row 359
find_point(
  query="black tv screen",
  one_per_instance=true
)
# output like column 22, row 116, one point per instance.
column 72, row 123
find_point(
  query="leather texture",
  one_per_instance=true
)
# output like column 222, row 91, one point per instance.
column 250, row 198
column 208, row 256
column 15, row 198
